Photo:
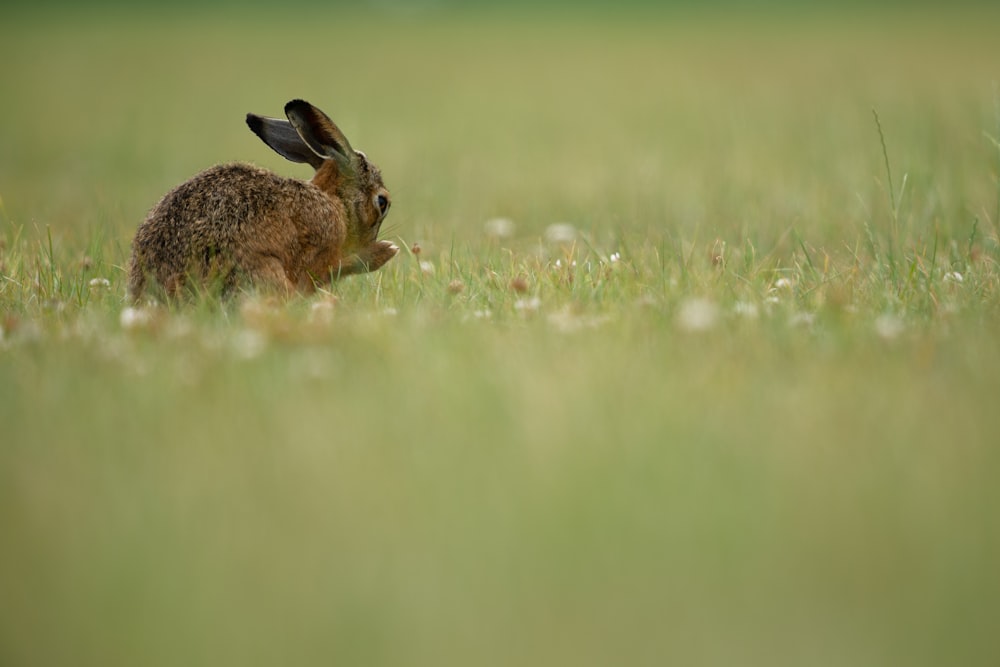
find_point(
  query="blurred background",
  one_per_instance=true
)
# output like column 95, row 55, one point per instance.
column 629, row 115
column 420, row 484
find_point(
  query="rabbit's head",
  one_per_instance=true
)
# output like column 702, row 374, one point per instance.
column 309, row 136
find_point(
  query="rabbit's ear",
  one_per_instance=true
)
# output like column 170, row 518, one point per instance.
column 320, row 133
column 283, row 139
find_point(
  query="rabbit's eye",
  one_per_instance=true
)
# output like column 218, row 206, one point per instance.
column 383, row 203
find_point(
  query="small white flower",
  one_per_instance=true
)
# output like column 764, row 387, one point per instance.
column 30, row 332
column 528, row 305
column 646, row 301
column 99, row 283
column 615, row 257
column 805, row 320
column 569, row 264
column 249, row 343
column 312, row 365
column 696, row 315
column 499, row 228
column 889, row 326
column 427, row 268
column 954, row 277
column 179, row 328
column 783, row 283
column 132, row 319
column 321, row 312
column 746, row 309
column 567, row 322
column 560, row 232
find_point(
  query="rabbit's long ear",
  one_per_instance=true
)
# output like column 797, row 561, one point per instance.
column 320, row 133
column 283, row 139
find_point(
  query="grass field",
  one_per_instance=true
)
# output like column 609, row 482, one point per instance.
column 722, row 391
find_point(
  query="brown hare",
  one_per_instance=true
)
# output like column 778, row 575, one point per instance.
column 237, row 224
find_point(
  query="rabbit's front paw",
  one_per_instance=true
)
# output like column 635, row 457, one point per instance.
column 378, row 253
column 370, row 258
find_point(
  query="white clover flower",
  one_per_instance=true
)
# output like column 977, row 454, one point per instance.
column 567, row 322
column 783, row 283
column 322, row 306
column 249, row 343
column 179, row 327
column 30, row 332
column 560, row 232
column 321, row 312
column 746, row 309
column 499, row 228
column 482, row 314
column 133, row 319
column 888, row 326
column 805, row 320
column 954, row 277
column 646, row 301
column 615, row 257
column 427, row 268
column 528, row 305
column 99, row 283
column 697, row 315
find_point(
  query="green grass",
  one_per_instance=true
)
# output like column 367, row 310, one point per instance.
column 745, row 415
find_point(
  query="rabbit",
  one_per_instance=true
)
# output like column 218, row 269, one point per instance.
column 237, row 224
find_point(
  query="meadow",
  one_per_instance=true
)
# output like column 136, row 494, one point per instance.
column 690, row 356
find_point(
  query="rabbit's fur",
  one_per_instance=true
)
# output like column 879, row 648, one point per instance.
column 237, row 224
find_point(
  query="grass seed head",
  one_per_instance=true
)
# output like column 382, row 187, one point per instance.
column 717, row 254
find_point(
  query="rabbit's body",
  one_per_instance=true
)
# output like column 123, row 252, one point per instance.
column 234, row 223
column 239, row 224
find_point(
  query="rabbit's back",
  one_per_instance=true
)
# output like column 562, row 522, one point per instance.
column 230, row 221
